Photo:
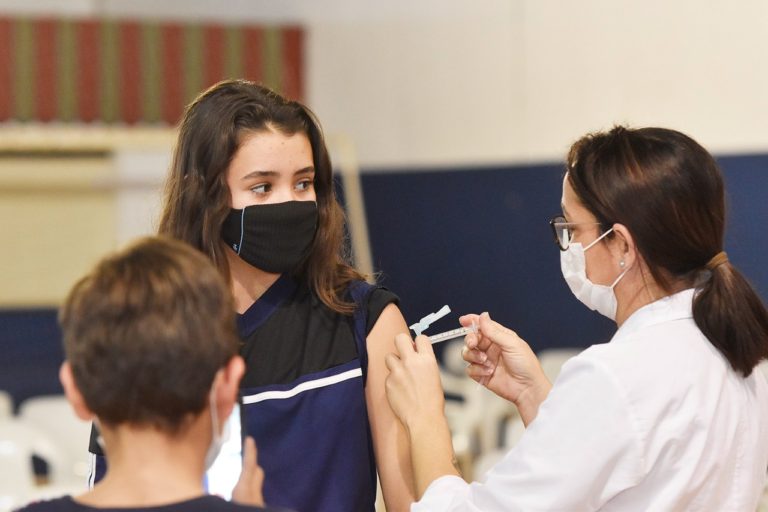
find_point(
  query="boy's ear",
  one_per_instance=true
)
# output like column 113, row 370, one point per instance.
column 74, row 397
column 235, row 369
column 226, row 385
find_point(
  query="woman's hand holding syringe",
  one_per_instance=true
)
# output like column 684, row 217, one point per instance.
column 504, row 363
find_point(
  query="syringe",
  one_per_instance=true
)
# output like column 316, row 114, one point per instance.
column 453, row 334
column 424, row 323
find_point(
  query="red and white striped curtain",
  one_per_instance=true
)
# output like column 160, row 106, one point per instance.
column 110, row 71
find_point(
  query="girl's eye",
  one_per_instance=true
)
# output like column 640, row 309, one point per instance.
column 304, row 185
column 262, row 188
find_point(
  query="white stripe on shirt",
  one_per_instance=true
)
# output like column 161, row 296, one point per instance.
column 91, row 470
column 304, row 386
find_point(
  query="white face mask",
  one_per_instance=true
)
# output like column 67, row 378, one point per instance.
column 596, row 297
column 218, row 438
column 99, row 438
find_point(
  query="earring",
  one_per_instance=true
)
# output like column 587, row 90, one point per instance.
column 621, row 263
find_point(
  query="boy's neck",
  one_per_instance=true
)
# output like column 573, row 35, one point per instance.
column 148, row 467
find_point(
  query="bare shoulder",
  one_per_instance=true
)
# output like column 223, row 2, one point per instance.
column 390, row 323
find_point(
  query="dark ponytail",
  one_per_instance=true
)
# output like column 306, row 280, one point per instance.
column 731, row 315
column 668, row 191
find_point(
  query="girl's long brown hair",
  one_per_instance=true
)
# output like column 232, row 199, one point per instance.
column 197, row 198
column 668, row 191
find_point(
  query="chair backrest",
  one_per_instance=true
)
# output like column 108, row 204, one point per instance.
column 452, row 360
column 476, row 421
column 53, row 415
column 6, row 404
column 763, row 367
column 552, row 359
column 19, row 441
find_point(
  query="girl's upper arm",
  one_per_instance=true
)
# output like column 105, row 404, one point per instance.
column 390, row 442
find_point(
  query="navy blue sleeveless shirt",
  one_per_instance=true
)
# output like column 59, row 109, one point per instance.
column 303, row 396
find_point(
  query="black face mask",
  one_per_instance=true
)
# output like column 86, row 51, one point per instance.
column 272, row 237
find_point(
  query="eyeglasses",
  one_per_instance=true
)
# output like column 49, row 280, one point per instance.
column 562, row 230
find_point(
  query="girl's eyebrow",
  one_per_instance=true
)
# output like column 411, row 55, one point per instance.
column 259, row 174
column 266, row 174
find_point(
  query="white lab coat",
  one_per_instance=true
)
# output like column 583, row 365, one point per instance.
column 654, row 420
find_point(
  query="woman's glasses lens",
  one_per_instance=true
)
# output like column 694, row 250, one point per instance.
column 560, row 230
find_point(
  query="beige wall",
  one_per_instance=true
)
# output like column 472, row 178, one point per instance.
column 466, row 82
column 67, row 197
column 519, row 81
column 411, row 84
column 55, row 225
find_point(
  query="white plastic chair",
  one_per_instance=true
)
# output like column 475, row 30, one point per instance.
column 485, row 462
column 16, row 476
column 6, row 405
column 513, row 431
column 552, row 359
column 762, row 506
column 763, row 367
column 53, row 415
column 19, row 441
column 477, row 419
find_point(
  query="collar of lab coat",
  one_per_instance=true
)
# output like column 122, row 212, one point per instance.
column 677, row 306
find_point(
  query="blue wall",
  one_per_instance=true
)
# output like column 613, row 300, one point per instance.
column 475, row 239
column 30, row 352
column 479, row 240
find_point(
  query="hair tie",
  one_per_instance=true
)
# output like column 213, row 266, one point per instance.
column 717, row 260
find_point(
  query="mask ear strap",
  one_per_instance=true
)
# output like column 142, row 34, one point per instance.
column 242, row 231
column 99, row 437
column 598, row 239
column 619, row 278
column 214, row 414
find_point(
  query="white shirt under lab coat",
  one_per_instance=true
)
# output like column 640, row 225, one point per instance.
column 654, row 420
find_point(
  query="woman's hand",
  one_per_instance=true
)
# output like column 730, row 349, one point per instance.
column 413, row 386
column 504, row 363
column 247, row 491
column 415, row 394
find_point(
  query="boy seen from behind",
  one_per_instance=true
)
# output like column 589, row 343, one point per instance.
column 152, row 357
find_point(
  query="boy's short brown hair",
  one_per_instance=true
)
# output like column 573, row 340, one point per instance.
column 146, row 331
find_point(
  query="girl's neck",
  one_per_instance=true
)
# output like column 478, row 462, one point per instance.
column 247, row 282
